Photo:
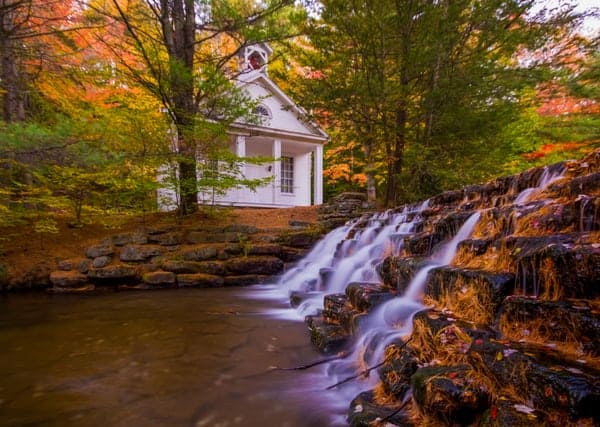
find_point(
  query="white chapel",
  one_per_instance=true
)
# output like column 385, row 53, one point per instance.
column 283, row 133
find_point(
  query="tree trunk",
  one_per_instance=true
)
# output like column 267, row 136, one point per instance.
column 396, row 160
column 179, row 26
column 13, row 104
column 370, row 168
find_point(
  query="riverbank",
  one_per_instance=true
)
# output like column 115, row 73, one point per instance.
column 27, row 258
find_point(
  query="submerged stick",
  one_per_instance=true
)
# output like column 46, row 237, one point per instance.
column 396, row 412
column 316, row 363
column 366, row 372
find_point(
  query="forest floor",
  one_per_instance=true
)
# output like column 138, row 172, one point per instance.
column 22, row 249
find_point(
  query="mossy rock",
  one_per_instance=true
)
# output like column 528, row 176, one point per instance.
column 448, row 394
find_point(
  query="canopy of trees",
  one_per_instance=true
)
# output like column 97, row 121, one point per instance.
column 417, row 95
column 421, row 93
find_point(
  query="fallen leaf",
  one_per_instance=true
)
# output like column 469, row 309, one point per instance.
column 524, row 409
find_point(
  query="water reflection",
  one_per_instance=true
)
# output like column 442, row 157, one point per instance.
column 177, row 358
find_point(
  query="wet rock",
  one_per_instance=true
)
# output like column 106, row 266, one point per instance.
column 67, row 279
column 475, row 246
column 200, row 253
column 199, row 280
column 366, row 296
column 506, row 412
column 326, row 337
column 549, row 388
column 336, row 310
column 139, row 253
column 558, row 271
column 586, row 184
column 113, row 273
column 476, row 294
column 448, row 226
column 562, row 321
column 449, row 394
column 365, row 412
column 400, row 364
column 244, row 280
column 298, row 297
column 397, row 272
column 159, row 279
column 101, row 261
column 420, row 244
column 99, row 250
column 291, row 254
column 264, row 265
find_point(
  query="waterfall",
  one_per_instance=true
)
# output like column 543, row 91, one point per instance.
column 348, row 253
column 548, row 177
column 393, row 319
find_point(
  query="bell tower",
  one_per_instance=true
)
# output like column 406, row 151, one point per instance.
column 255, row 57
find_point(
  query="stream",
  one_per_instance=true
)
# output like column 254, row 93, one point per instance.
column 197, row 357
column 205, row 357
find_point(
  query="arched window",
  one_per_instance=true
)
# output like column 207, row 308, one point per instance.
column 263, row 113
column 261, row 110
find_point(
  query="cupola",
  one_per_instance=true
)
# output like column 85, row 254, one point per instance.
column 255, row 57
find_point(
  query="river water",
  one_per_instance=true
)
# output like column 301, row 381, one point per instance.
column 197, row 357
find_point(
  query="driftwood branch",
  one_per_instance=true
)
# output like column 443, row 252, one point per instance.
column 366, row 372
column 316, row 363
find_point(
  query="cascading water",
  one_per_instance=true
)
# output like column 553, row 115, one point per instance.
column 338, row 260
column 351, row 254
column 548, row 177
column 393, row 319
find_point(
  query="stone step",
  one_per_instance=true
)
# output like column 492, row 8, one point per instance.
column 575, row 322
column 433, row 231
column 475, row 294
column 550, row 388
column 326, row 337
column 364, row 297
column 585, row 184
column 558, row 271
column 365, row 411
column 397, row 272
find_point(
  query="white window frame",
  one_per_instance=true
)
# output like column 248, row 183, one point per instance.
column 287, row 175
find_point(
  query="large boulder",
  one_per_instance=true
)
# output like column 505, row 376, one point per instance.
column 160, row 279
column 139, row 253
column 113, row 273
column 200, row 253
column 67, row 279
column 449, row 394
column 264, row 265
column 103, row 249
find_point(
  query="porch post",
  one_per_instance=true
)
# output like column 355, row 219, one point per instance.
column 276, row 168
column 240, row 151
column 318, row 175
